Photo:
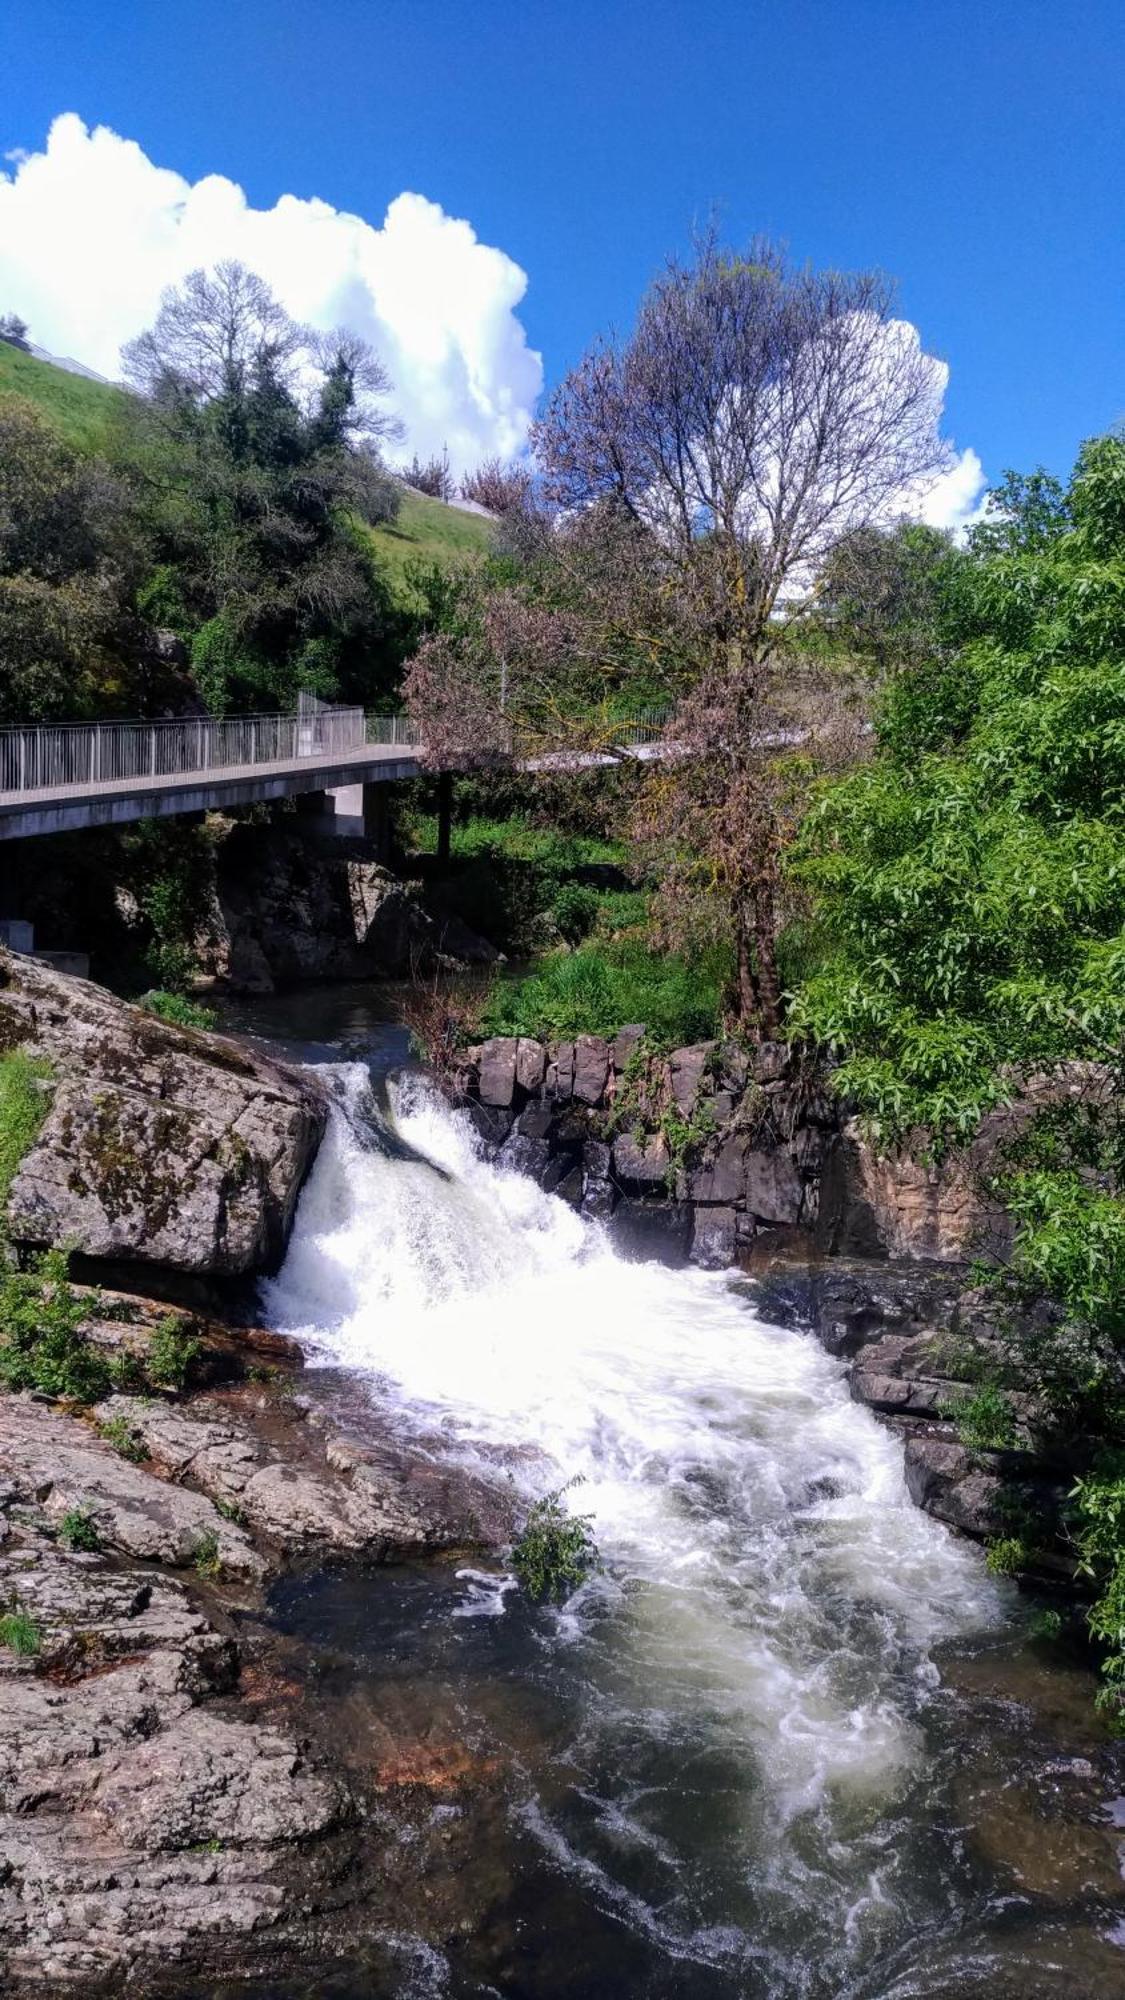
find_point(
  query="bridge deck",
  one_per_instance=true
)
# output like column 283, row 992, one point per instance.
column 113, row 802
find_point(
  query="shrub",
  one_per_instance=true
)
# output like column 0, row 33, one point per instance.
column 574, row 910
column 19, row 1631
column 175, row 1007
column 556, row 1550
column 171, row 1352
column 1009, row 1555
column 205, row 1556
column 78, row 1531
column 984, row 1420
column 124, row 1438
column 603, row 987
column 42, row 1345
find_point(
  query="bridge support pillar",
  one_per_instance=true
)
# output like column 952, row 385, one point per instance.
column 377, row 821
column 444, row 815
column 338, row 812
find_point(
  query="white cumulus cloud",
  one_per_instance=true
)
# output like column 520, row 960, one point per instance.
column 92, row 230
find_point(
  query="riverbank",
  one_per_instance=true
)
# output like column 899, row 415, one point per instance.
column 356, row 1755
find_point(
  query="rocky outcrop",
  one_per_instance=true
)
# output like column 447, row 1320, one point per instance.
column 140, row 1828
column 173, row 1799
column 291, row 908
column 905, row 1203
column 162, row 1146
column 916, row 1338
column 699, row 1152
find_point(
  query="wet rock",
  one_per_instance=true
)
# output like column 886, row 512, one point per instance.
column 498, row 1071
column 641, row 1165
column 162, row 1146
column 659, row 1231
column 531, row 1064
column 722, row 1175
column 774, row 1189
column 713, row 1238
column 141, row 1831
column 950, row 1482
column 563, row 1177
column 297, row 1480
column 624, row 1046
column 591, row 1068
column 492, row 1123
column 599, row 1198
column 687, row 1068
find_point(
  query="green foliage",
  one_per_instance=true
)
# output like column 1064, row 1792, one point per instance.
column 42, row 1346
column 19, row 1631
column 178, row 1009
column 206, row 1556
column 1098, row 1500
column 1009, row 1555
column 970, row 879
column 984, row 1420
column 574, row 910
column 171, row 1352
column 23, row 1106
column 78, row 1531
column 124, row 1438
column 556, row 1550
column 603, row 987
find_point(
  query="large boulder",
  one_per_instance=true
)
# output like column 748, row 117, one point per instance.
column 161, row 1145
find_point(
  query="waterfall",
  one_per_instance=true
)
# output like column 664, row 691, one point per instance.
column 768, row 1589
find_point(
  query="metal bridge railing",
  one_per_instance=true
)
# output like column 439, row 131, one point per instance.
column 85, row 756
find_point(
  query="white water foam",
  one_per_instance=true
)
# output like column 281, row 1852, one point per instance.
column 753, row 1520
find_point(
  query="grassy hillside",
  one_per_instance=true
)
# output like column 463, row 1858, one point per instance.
column 428, row 531
column 84, row 413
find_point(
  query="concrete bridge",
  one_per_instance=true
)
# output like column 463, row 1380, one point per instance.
column 63, row 778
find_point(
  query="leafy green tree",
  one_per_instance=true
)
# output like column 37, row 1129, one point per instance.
column 257, row 448
column 969, row 889
column 69, row 641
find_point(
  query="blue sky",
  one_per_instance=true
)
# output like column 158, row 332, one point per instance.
column 973, row 150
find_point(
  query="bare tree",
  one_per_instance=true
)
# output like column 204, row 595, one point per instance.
column 503, row 489
column 355, row 383
column 432, row 476
column 212, row 333
column 700, row 471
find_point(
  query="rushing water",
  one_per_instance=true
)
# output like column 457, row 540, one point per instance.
column 744, row 1753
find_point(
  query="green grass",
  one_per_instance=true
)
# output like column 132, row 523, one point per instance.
column 175, row 1007
column 19, row 1632
column 519, row 839
column 606, row 986
column 427, row 531
column 86, row 414
column 23, row 1107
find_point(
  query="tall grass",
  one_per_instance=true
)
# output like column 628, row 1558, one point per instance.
column 603, row 987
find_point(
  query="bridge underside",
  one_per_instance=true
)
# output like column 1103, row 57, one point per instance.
column 162, row 798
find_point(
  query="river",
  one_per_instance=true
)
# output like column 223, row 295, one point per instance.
column 792, row 1741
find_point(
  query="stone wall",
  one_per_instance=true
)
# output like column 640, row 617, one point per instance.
column 692, row 1154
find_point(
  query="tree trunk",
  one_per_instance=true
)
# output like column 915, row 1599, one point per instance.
column 758, row 980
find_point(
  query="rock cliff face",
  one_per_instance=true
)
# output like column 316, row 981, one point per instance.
column 161, row 1146
column 704, row 1152
column 291, row 908
column 697, row 1153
